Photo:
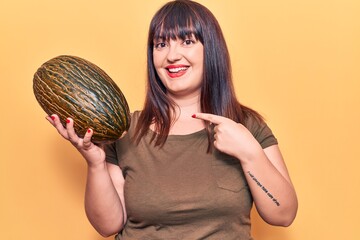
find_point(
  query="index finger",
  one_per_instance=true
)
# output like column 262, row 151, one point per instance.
column 216, row 119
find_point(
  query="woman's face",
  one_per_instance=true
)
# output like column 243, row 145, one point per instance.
column 179, row 64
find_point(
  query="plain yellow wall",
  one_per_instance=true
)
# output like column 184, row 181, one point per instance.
column 296, row 62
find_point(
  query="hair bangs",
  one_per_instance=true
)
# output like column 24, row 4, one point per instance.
column 177, row 23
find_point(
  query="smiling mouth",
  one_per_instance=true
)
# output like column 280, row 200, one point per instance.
column 174, row 72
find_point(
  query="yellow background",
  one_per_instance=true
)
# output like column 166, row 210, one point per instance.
column 296, row 62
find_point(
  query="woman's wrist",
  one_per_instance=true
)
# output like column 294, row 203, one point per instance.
column 96, row 166
column 251, row 154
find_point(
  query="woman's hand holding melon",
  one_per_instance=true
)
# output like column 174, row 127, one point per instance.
column 93, row 154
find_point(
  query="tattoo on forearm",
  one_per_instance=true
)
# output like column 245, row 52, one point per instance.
column 264, row 189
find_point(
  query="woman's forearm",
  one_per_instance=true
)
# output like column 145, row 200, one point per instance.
column 273, row 193
column 103, row 205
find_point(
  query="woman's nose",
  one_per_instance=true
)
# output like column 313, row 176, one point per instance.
column 174, row 53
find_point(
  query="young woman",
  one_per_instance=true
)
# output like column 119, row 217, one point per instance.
column 194, row 159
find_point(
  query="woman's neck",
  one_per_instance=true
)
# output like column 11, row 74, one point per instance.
column 186, row 105
column 183, row 122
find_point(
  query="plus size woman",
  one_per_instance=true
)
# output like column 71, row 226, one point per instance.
column 194, row 160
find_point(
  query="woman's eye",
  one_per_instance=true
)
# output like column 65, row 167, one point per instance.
column 160, row 45
column 189, row 42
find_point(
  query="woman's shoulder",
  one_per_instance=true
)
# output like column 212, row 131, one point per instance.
column 134, row 119
column 260, row 130
column 135, row 116
column 253, row 121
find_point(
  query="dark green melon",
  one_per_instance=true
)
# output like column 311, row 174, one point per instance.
column 73, row 87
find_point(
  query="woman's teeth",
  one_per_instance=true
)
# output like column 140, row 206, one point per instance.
column 175, row 70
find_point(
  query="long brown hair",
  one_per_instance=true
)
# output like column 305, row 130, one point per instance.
column 179, row 19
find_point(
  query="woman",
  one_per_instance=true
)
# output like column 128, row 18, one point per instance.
column 194, row 159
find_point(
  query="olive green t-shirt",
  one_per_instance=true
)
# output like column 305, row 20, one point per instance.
column 180, row 191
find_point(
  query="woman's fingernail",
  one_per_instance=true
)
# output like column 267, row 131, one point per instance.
column 53, row 117
column 193, row 116
column 67, row 120
column 89, row 130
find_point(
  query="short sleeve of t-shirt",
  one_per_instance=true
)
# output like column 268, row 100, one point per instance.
column 261, row 132
column 121, row 144
column 110, row 150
